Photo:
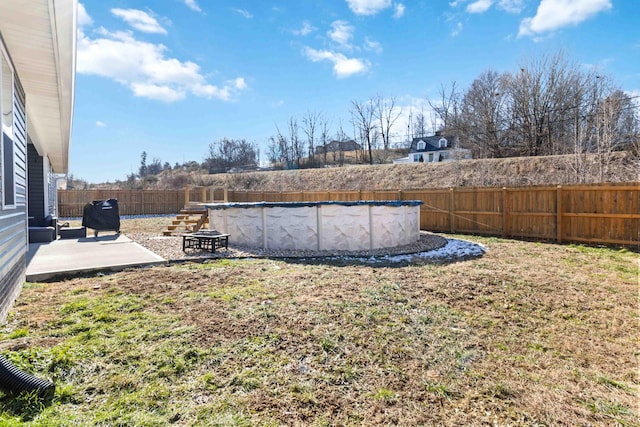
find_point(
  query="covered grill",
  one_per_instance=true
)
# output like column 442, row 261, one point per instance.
column 102, row 215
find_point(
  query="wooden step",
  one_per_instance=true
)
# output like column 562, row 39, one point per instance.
column 193, row 212
column 187, row 221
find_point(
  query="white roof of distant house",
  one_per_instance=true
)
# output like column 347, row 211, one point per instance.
column 41, row 38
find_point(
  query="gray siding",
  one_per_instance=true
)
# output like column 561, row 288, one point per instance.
column 13, row 221
column 36, row 186
column 11, row 285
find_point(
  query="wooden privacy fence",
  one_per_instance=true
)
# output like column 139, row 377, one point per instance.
column 606, row 214
column 130, row 202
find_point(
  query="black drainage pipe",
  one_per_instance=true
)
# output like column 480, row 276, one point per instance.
column 14, row 380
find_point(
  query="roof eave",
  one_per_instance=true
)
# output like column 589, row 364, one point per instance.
column 41, row 40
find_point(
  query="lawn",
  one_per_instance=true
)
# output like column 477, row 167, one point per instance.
column 529, row 334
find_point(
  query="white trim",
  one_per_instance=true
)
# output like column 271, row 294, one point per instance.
column 4, row 57
column 45, row 172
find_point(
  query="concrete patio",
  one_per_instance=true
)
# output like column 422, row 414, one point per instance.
column 62, row 257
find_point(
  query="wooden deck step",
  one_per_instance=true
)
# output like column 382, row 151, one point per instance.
column 187, row 221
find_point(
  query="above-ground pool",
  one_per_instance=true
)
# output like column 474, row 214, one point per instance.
column 318, row 226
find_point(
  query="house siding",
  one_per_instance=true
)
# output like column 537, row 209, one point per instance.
column 13, row 219
column 36, row 186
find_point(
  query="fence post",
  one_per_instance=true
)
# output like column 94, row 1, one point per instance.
column 559, row 209
column 505, row 216
column 452, row 217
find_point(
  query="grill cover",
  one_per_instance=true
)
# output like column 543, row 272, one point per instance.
column 102, row 215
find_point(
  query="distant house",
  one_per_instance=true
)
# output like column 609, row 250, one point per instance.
column 37, row 83
column 335, row 146
column 434, row 149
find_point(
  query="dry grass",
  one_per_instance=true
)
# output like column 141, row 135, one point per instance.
column 529, row 334
column 522, row 171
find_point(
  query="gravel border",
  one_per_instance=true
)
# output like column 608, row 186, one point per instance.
column 170, row 248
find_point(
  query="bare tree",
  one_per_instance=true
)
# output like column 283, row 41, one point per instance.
column 419, row 124
column 280, row 150
column 446, row 108
column 310, row 123
column 341, row 137
column 542, row 96
column 229, row 153
column 294, row 139
column 387, row 114
column 483, row 125
column 324, row 137
column 617, row 128
column 362, row 117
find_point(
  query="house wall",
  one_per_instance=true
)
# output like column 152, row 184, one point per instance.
column 36, row 209
column 42, row 187
column 13, row 218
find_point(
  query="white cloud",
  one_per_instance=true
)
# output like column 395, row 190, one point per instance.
column 479, row 6
column 244, row 13
column 84, row 20
column 155, row 91
column 555, row 14
column 101, row 124
column 368, row 7
column 511, row 6
column 145, row 69
column 372, row 45
column 139, row 20
column 457, row 30
column 399, row 10
column 240, row 83
column 342, row 66
column 191, row 4
column 341, row 32
column 305, row 30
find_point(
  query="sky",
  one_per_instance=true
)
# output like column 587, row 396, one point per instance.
column 170, row 77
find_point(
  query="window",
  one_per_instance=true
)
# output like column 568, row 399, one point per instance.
column 6, row 108
column 416, row 157
column 430, row 157
column 442, row 143
column 421, row 145
column 8, row 181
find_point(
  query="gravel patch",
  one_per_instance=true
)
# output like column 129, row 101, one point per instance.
column 428, row 247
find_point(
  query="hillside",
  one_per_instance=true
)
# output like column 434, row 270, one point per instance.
column 521, row 171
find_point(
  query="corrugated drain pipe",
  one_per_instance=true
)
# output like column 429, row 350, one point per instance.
column 14, row 380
